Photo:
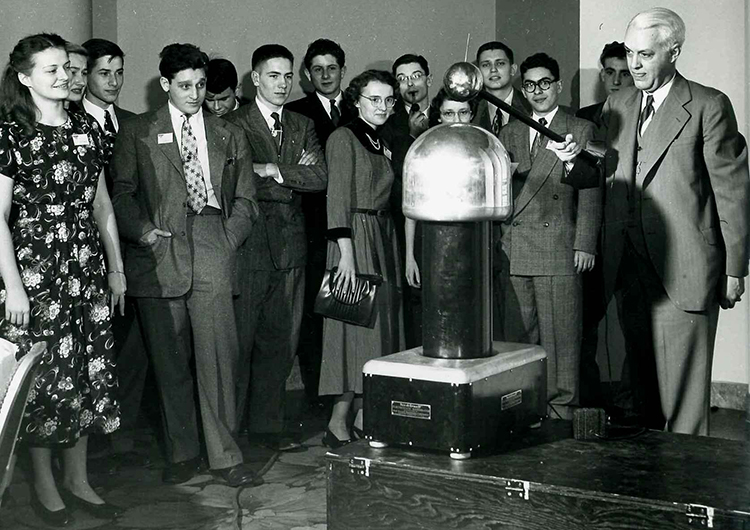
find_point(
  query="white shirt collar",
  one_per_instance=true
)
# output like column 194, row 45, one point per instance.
column 548, row 118
column 493, row 109
column 266, row 111
column 660, row 94
column 326, row 102
column 98, row 113
column 424, row 109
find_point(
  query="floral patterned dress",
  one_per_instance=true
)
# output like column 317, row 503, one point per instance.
column 61, row 261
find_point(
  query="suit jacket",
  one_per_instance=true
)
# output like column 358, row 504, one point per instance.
column 150, row 192
column 279, row 240
column 550, row 220
column 690, row 191
column 311, row 107
column 592, row 113
column 482, row 117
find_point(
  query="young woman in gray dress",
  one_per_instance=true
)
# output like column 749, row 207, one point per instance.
column 363, row 240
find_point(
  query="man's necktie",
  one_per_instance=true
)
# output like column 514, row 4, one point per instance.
column 646, row 113
column 497, row 123
column 277, row 130
column 537, row 141
column 335, row 113
column 109, row 126
column 196, row 186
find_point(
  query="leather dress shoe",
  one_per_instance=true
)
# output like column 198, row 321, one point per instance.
column 57, row 518
column 238, row 475
column 180, row 472
column 100, row 511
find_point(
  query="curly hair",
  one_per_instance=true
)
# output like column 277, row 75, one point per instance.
column 354, row 90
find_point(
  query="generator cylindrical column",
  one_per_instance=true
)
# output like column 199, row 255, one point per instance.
column 456, row 289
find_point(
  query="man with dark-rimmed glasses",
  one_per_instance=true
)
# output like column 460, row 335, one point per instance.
column 551, row 237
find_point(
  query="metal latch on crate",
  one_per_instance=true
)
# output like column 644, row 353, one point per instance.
column 700, row 515
column 517, row 488
column 359, row 466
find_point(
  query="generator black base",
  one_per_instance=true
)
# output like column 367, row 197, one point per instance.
column 462, row 407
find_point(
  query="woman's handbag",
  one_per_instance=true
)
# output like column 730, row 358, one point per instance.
column 353, row 306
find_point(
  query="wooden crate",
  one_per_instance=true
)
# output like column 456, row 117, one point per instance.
column 545, row 480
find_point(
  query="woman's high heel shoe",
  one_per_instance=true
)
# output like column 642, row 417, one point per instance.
column 100, row 511
column 332, row 442
column 57, row 518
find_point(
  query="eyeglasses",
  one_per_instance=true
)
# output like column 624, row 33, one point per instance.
column 451, row 114
column 416, row 76
column 377, row 100
column 544, row 84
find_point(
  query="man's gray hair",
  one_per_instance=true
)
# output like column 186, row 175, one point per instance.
column 670, row 26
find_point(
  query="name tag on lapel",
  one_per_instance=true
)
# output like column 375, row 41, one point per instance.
column 387, row 152
column 165, row 138
column 81, row 139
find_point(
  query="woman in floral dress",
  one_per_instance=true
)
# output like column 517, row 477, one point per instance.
column 56, row 229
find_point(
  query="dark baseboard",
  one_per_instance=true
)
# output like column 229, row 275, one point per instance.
column 728, row 395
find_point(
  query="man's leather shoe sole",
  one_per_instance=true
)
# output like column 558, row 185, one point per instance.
column 238, row 475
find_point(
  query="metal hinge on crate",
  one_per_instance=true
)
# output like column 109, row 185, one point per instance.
column 517, row 488
column 700, row 515
column 359, row 466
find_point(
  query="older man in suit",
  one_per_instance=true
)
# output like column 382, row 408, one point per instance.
column 325, row 68
column 497, row 64
column 289, row 161
column 676, row 214
column 184, row 196
column 550, row 238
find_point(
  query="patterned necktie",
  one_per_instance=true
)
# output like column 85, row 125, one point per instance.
column 537, row 141
column 646, row 113
column 497, row 123
column 196, row 186
column 277, row 130
column 109, row 126
column 335, row 114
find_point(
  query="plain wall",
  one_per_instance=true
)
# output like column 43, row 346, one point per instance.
column 71, row 20
column 372, row 34
column 714, row 54
column 549, row 26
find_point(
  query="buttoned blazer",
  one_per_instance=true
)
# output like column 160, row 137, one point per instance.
column 550, row 220
column 482, row 117
column 311, row 107
column 150, row 192
column 279, row 242
column 691, row 189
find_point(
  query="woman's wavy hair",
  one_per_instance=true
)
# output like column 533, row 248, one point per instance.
column 16, row 103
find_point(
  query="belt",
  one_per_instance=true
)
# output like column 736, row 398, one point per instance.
column 207, row 210
column 378, row 213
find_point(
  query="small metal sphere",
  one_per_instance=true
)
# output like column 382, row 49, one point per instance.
column 463, row 81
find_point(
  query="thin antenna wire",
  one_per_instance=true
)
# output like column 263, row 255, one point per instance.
column 466, row 54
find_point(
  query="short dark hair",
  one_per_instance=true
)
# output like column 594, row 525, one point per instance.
column 541, row 60
column 437, row 102
column 178, row 57
column 101, row 47
column 271, row 51
column 354, row 90
column 324, row 47
column 496, row 45
column 409, row 58
column 613, row 50
column 220, row 75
